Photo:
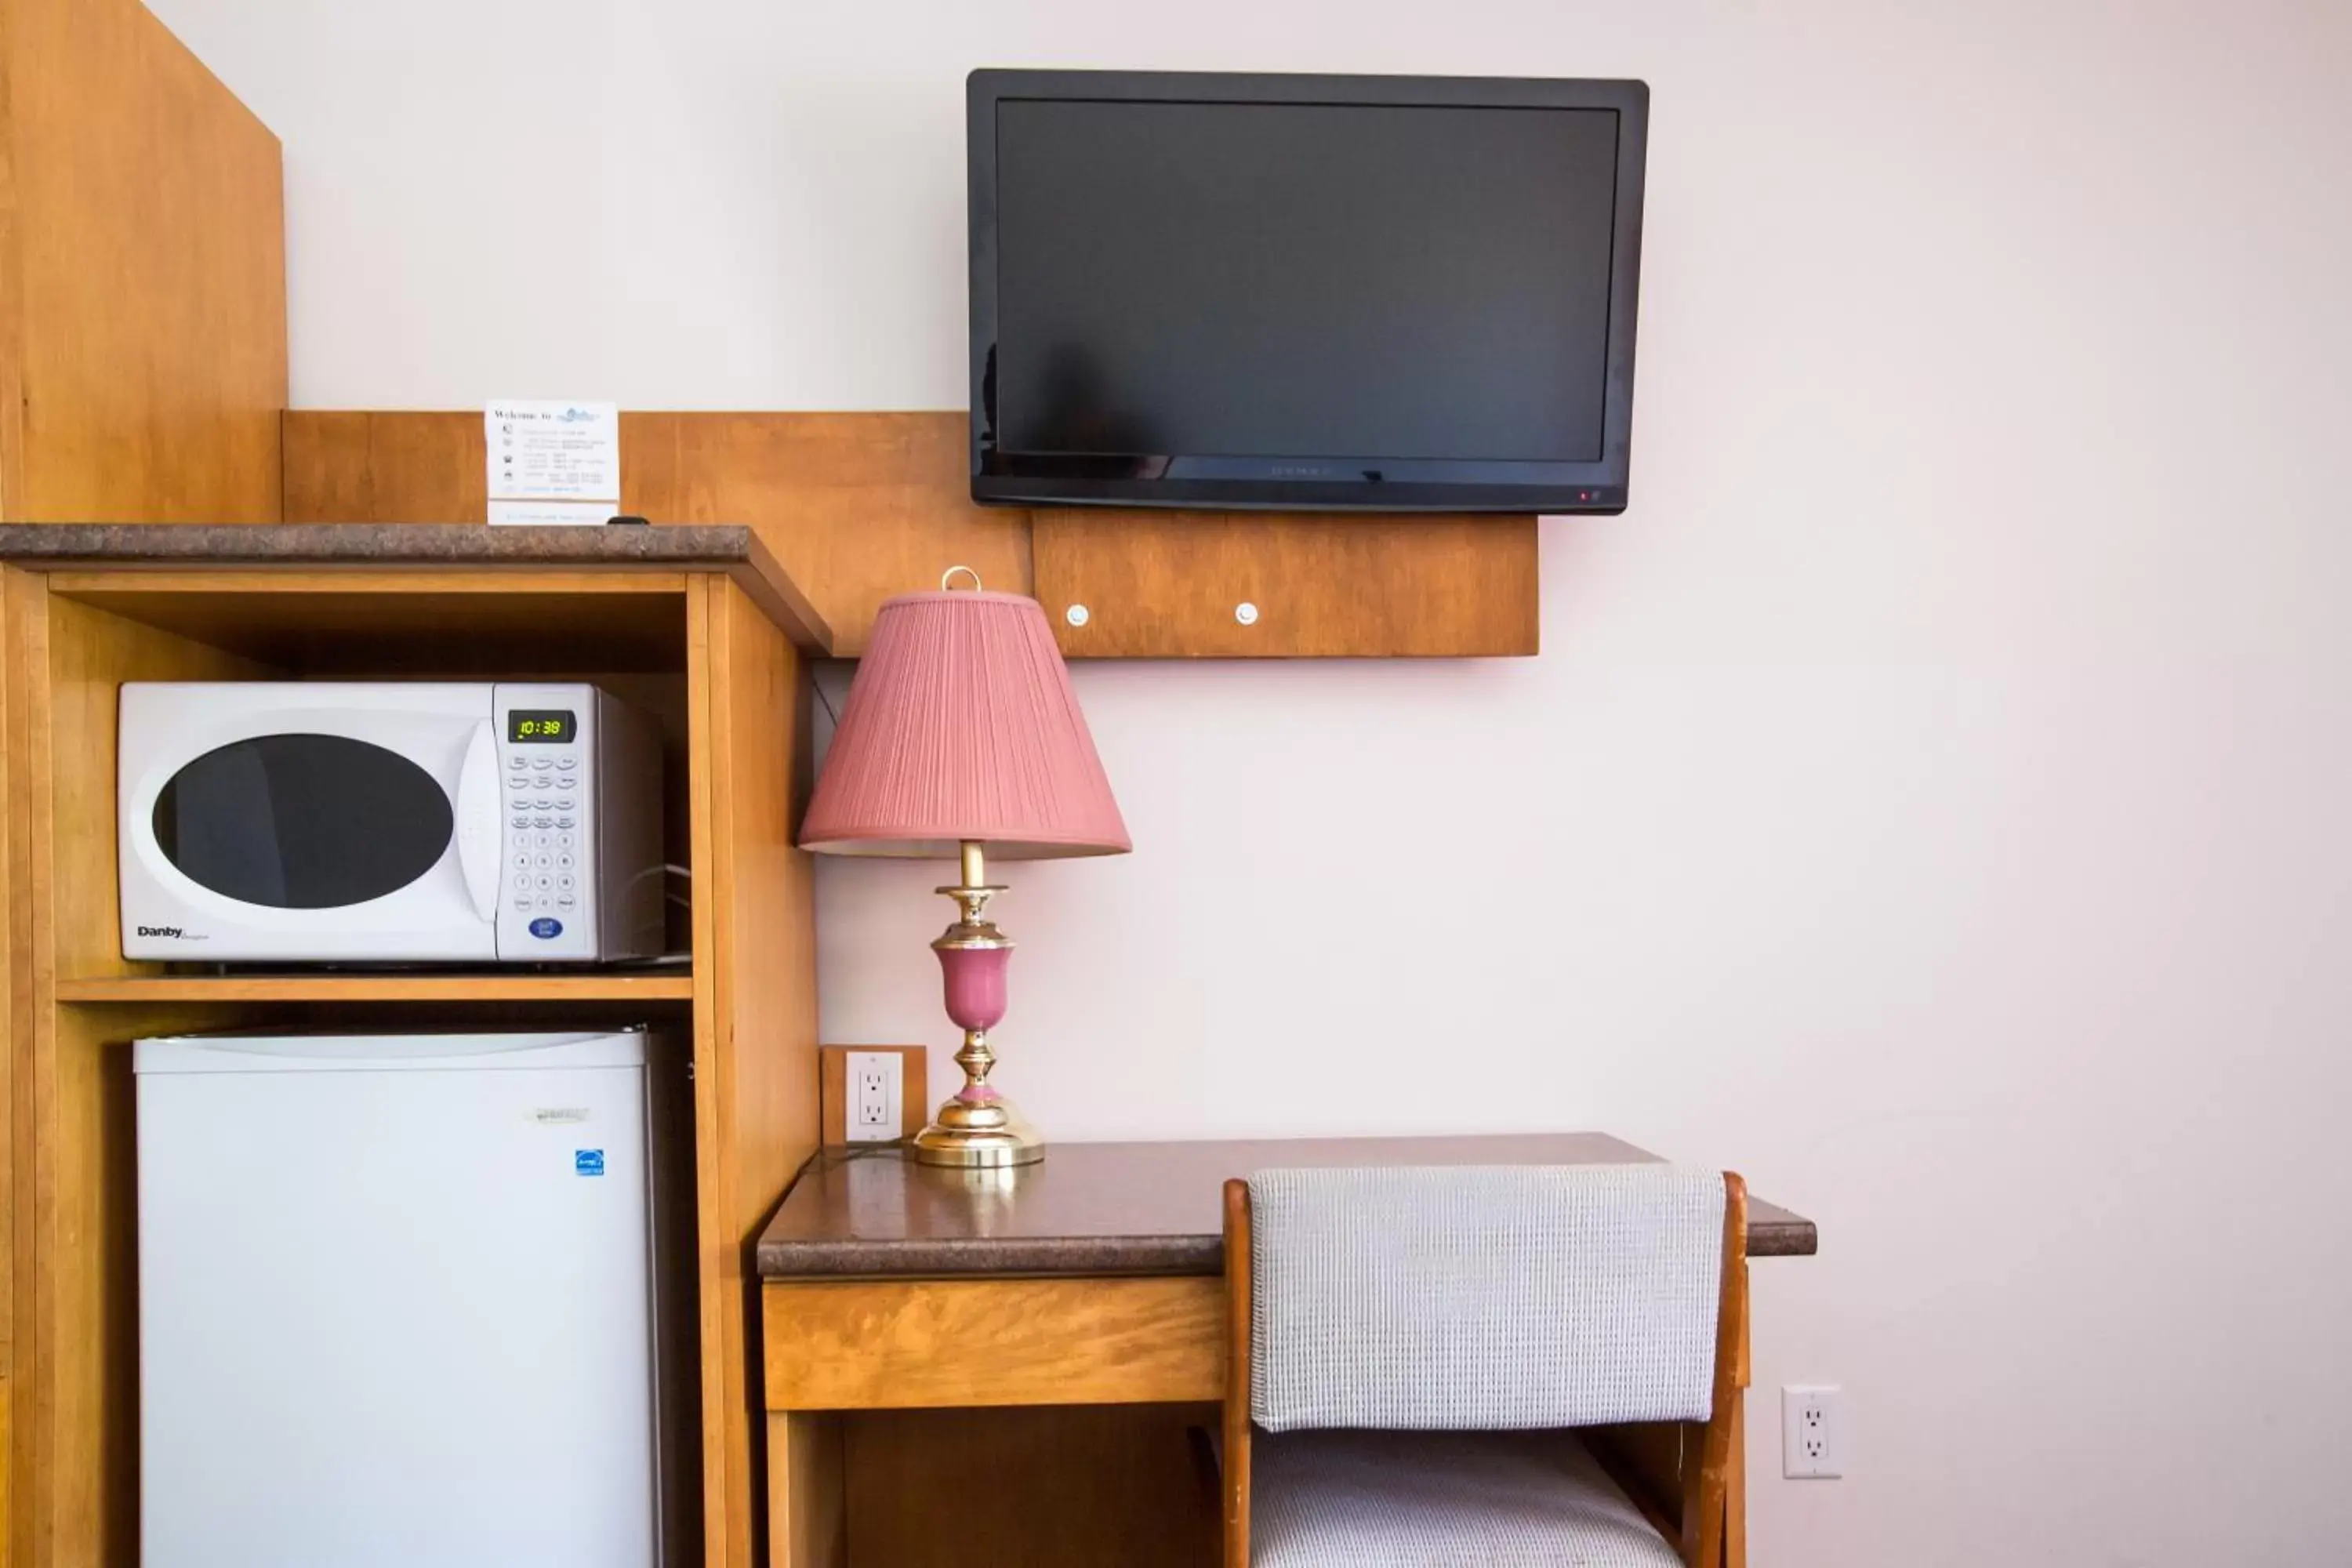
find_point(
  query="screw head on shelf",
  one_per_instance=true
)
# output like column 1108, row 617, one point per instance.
column 1245, row 613
column 1076, row 614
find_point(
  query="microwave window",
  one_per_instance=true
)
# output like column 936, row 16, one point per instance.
column 302, row 822
column 542, row 726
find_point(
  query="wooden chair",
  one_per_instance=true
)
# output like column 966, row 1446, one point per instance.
column 1363, row 1233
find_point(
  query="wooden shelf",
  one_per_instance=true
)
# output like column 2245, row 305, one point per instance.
column 677, row 985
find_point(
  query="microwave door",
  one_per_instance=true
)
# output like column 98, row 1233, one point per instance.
column 345, row 828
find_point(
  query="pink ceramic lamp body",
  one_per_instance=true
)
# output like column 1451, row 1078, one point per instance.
column 975, row 978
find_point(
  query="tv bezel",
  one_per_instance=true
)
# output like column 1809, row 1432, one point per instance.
column 1439, row 485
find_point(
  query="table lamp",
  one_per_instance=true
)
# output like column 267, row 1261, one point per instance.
column 961, row 738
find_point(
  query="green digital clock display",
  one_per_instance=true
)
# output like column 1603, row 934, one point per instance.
column 542, row 726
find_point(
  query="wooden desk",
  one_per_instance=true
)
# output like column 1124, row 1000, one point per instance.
column 1046, row 1338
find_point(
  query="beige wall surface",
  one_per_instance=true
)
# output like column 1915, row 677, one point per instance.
column 1932, row 798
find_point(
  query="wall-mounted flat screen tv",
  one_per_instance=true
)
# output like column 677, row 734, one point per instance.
column 1305, row 292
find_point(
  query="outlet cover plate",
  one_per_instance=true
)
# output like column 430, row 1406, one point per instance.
column 904, row 1089
column 1813, row 1432
column 876, row 1093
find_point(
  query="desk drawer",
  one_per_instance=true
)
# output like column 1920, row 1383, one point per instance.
column 882, row 1344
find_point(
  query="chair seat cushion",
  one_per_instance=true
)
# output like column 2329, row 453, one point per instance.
column 1441, row 1500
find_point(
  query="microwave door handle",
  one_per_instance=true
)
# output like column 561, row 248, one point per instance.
column 477, row 820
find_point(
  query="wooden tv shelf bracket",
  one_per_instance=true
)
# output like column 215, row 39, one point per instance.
column 857, row 507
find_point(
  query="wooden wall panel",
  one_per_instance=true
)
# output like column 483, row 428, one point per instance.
column 856, row 507
column 1167, row 584
column 387, row 468
column 755, row 1046
column 142, row 277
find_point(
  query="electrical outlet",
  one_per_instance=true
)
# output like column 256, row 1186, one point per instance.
column 1813, row 1432
column 874, row 1101
column 869, row 1094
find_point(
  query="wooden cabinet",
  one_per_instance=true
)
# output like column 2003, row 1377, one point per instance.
column 681, row 637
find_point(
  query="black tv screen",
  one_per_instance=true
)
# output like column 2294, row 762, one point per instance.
column 1308, row 292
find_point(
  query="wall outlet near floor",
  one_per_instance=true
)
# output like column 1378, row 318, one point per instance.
column 871, row 1094
column 1813, row 1432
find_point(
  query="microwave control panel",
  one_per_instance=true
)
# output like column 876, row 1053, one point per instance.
column 547, row 748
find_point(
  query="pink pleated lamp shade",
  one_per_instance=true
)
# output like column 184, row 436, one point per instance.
column 962, row 725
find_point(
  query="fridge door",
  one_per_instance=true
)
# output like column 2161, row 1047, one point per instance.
column 395, row 1303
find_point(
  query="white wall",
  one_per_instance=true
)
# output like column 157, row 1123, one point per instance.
column 1932, row 798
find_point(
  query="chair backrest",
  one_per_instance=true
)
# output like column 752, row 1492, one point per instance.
column 1483, row 1298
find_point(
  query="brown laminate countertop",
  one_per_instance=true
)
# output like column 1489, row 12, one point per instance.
column 416, row 546
column 1114, row 1208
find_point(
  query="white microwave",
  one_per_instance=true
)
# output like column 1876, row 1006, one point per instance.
column 298, row 821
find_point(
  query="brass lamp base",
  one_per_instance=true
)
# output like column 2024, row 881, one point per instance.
column 1011, row 1142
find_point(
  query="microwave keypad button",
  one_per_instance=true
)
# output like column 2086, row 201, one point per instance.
column 567, row 763
column 567, row 822
column 563, row 862
column 543, row 822
column 518, row 763
column 565, row 884
column 521, row 821
column 540, row 765
column 564, row 900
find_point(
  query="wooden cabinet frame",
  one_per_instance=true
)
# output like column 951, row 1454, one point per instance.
column 732, row 684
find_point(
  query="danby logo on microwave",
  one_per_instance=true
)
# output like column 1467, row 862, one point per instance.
column 173, row 932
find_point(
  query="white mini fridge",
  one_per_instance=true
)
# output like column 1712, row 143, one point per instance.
column 399, row 1302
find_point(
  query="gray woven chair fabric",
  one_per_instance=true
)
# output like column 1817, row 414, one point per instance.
column 1442, row 1500
column 1483, row 1298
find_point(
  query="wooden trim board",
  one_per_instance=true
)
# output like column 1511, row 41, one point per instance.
column 901, row 1344
column 755, row 1079
column 677, row 985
